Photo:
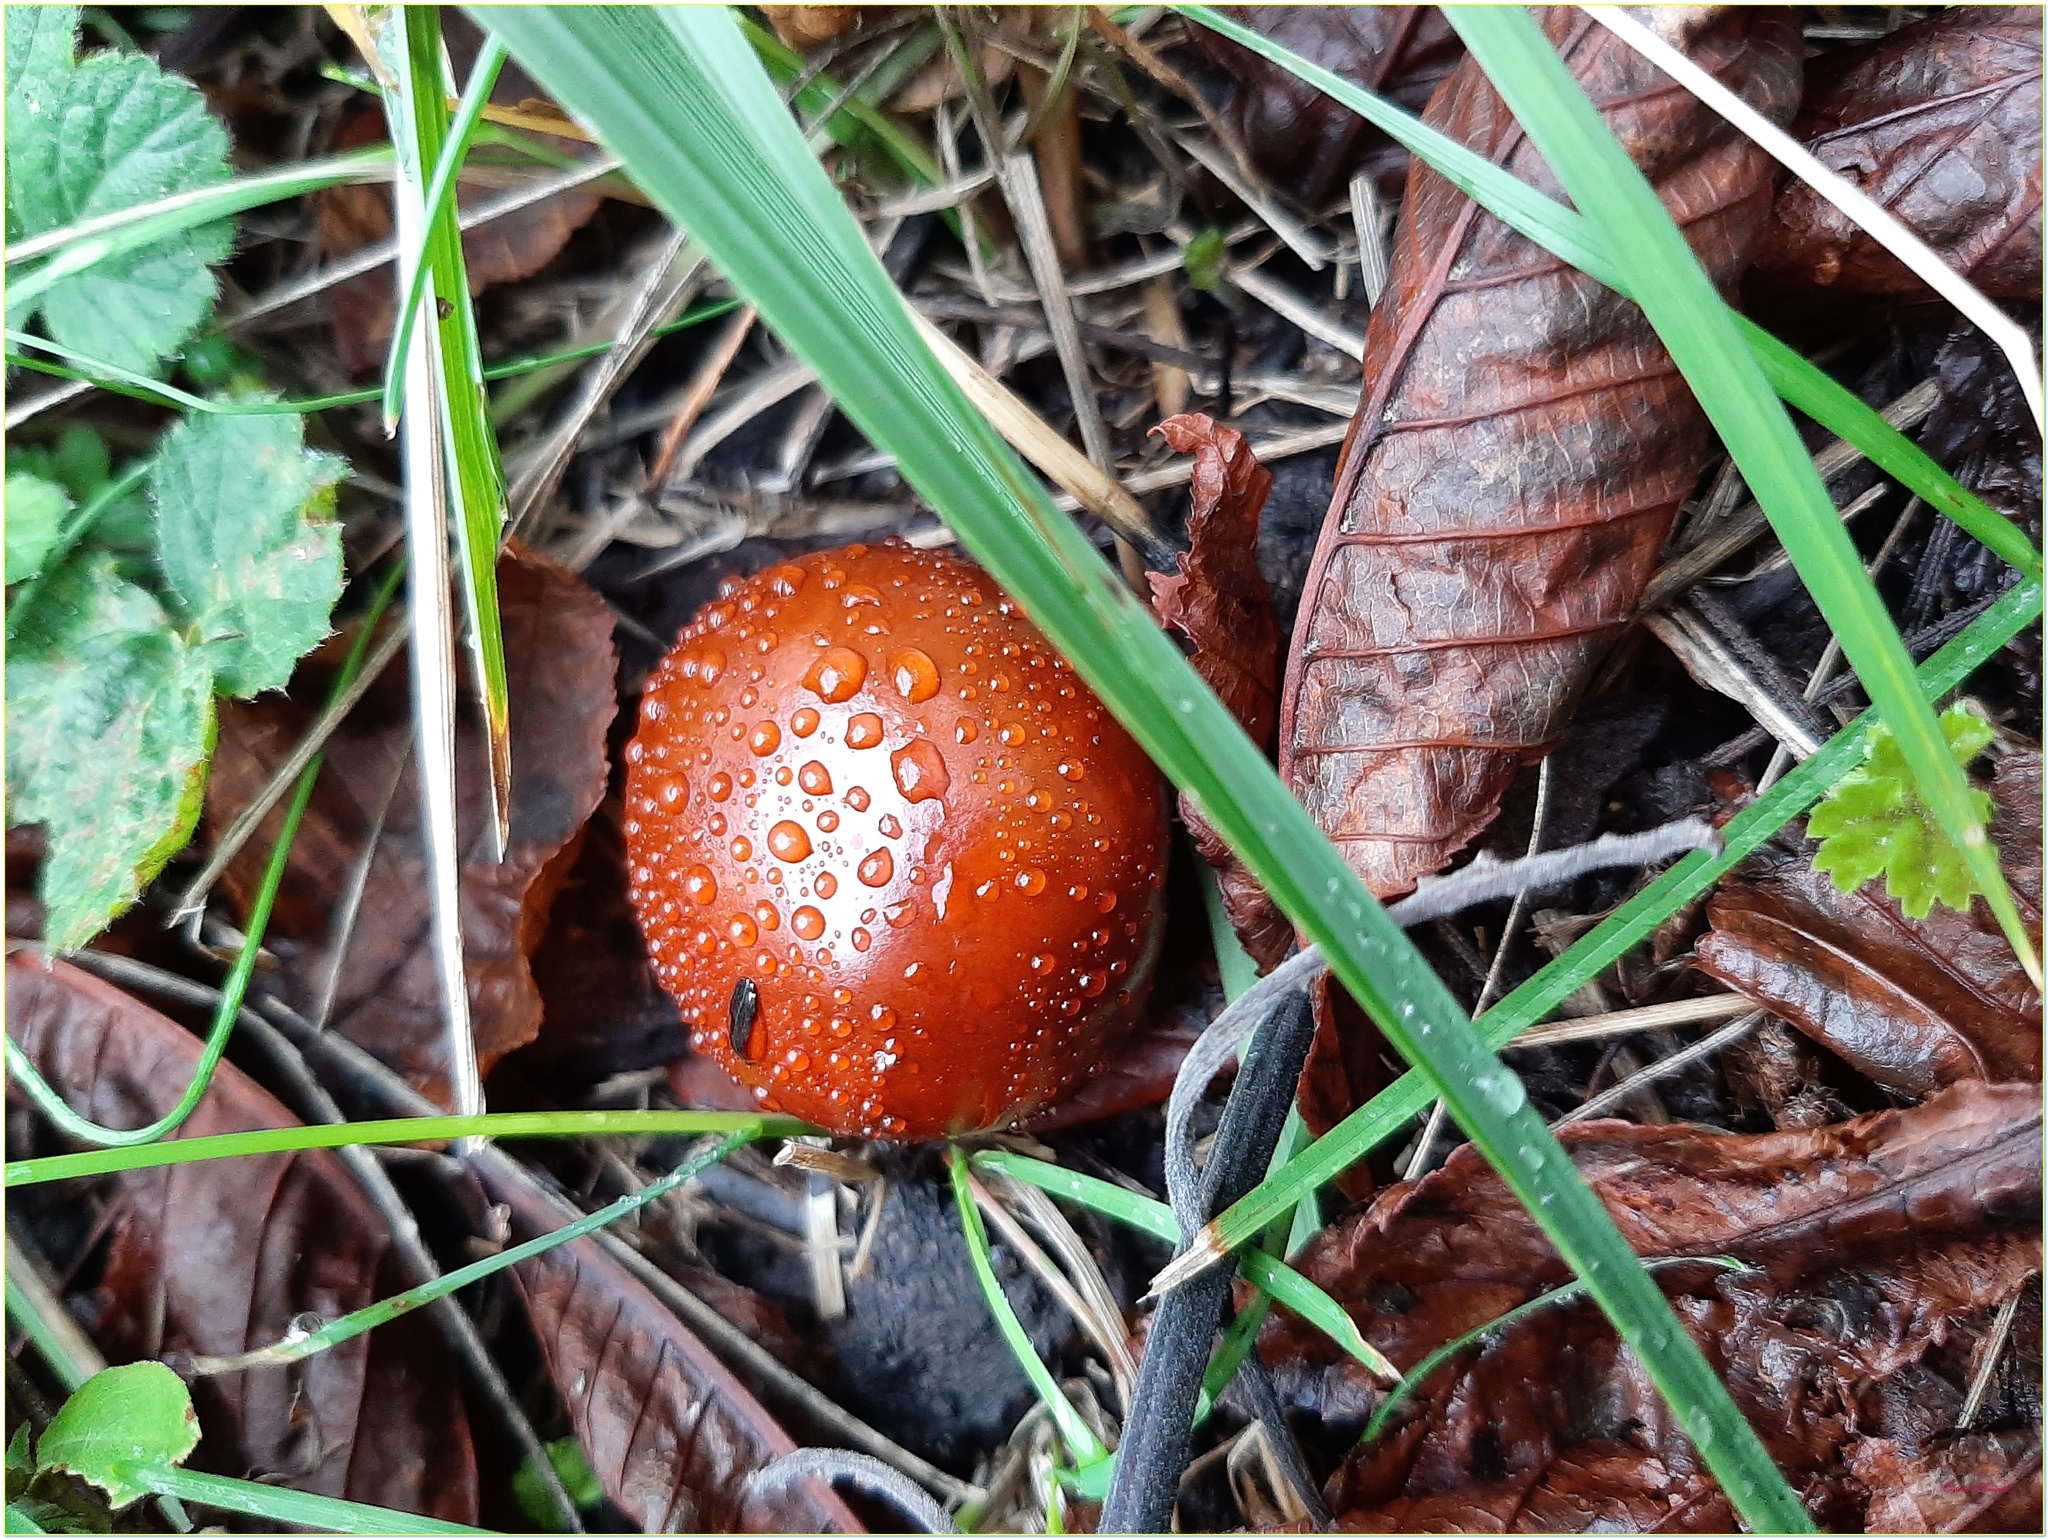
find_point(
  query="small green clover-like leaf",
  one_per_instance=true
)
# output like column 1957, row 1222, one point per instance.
column 34, row 512
column 1873, row 823
column 91, row 139
column 246, row 538
column 109, row 722
column 120, row 1424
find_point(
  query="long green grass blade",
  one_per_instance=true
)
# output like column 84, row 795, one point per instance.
column 476, row 476
column 1571, row 237
column 1681, row 303
column 298, row 1348
column 75, row 247
column 858, row 117
column 398, row 1130
column 306, row 1509
column 677, row 93
column 1396, row 1107
column 476, row 95
column 114, row 378
column 1079, row 1437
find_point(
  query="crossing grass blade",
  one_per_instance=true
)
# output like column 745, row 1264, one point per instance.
column 678, row 95
column 1694, row 324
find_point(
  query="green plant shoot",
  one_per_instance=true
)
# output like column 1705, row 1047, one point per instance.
column 1874, row 823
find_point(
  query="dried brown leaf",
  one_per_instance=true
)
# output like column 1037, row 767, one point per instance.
column 559, row 664
column 1878, row 1252
column 1220, row 603
column 1940, row 123
column 222, row 1257
column 1296, row 134
column 1515, row 462
column 670, row 1433
column 1913, row 1003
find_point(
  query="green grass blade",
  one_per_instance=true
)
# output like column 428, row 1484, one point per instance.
column 306, row 1509
column 679, row 96
column 112, row 377
column 397, row 1130
column 476, row 95
column 1289, row 1287
column 1695, row 325
column 1571, row 237
column 1396, row 1107
column 1845, row 415
column 476, row 476
column 1079, row 1437
column 295, row 1349
column 94, row 240
column 858, row 118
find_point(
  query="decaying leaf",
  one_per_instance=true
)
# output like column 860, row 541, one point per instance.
column 221, row 1257
column 1940, row 123
column 1913, row 1003
column 1515, row 462
column 667, row 1428
column 559, row 663
column 1220, row 602
column 1295, row 133
column 1875, row 1252
column 804, row 27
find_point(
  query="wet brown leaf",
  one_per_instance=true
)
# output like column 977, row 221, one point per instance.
column 603, row 1011
column 670, row 1433
column 559, row 663
column 221, row 1257
column 1297, row 135
column 1878, row 1252
column 1914, row 1004
column 1940, row 123
column 1514, row 464
column 1217, row 599
column 1220, row 603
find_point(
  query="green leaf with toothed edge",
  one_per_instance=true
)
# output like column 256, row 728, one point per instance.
column 1874, row 824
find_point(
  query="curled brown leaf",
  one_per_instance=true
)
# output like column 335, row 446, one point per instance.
column 225, row 1256
column 1940, row 123
column 560, row 665
column 1515, row 463
column 1221, row 604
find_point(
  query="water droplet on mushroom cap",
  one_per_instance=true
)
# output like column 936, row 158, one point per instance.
column 837, row 675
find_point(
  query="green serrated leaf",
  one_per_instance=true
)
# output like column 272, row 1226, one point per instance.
column 109, row 717
column 246, row 538
column 1873, row 823
column 120, row 1421
column 110, row 133
column 35, row 511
